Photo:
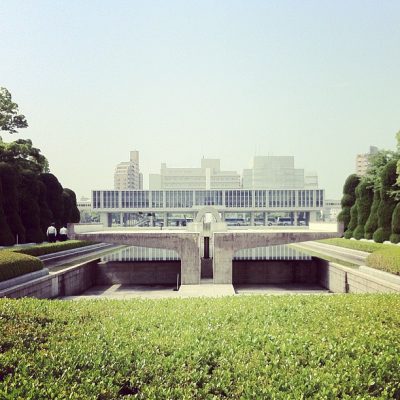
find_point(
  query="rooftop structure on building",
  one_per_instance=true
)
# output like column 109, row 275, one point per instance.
column 208, row 176
column 363, row 161
column 127, row 174
column 277, row 172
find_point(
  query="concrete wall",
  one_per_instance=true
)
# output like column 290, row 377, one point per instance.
column 138, row 273
column 72, row 281
column 274, row 272
column 339, row 279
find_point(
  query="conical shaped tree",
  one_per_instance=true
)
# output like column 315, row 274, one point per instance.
column 29, row 206
column 372, row 222
column 395, row 236
column 348, row 199
column 46, row 216
column 54, row 197
column 364, row 197
column 6, row 236
column 9, row 180
column 387, row 204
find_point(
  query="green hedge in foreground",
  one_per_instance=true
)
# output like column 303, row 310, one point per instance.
column 387, row 259
column 13, row 265
column 48, row 248
column 250, row 347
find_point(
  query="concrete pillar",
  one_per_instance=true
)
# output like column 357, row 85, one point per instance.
column 251, row 218
column 190, row 261
column 296, row 217
column 105, row 219
column 121, row 219
column 165, row 219
column 313, row 216
column 266, row 215
column 222, row 259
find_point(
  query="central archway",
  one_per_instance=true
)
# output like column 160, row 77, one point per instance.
column 208, row 210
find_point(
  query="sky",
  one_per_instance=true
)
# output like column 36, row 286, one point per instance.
column 181, row 80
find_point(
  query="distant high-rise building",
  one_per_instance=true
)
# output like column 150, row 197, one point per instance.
column 363, row 160
column 127, row 174
column 277, row 172
column 208, row 176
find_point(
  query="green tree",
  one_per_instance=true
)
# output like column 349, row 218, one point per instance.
column 9, row 180
column 348, row 199
column 46, row 215
column 23, row 156
column 71, row 212
column 54, row 197
column 29, row 206
column 372, row 222
column 6, row 236
column 364, row 198
column 387, row 204
column 395, row 236
column 10, row 119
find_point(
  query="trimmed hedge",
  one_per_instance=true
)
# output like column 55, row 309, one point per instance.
column 387, row 259
column 368, row 247
column 243, row 347
column 13, row 265
column 49, row 248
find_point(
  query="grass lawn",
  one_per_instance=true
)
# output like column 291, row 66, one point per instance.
column 255, row 347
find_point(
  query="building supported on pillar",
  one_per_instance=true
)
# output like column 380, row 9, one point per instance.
column 177, row 207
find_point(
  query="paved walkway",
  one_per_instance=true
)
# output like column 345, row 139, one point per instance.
column 124, row 292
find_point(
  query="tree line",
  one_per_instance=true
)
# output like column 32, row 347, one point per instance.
column 371, row 203
column 31, row 198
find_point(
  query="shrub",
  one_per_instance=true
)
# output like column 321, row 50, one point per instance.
column 247, row 347
column 386, row 259
column 395, row 237
column 54, row 197
column 13, row 264
column 380, row 235
column 48, row 248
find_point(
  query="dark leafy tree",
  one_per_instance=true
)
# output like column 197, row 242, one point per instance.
column 364, row 197
column 29, row 206
column 9, row 180
column 46, row 215
column 348, row 199
column 23, row 156
column 10, row 119
column 387, row 204
column 352, row 223
column 395, row 236
column 71, row 212
column 6, row 236
column 54, row 197
column 372, row 222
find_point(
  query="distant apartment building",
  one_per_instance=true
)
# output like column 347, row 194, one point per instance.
column 277, row 172
column 363, row 160
column 209, row 176
column 127, row 174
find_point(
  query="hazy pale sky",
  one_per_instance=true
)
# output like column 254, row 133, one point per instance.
column 179, row 80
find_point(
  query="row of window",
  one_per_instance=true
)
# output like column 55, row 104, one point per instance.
column 136, row 199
